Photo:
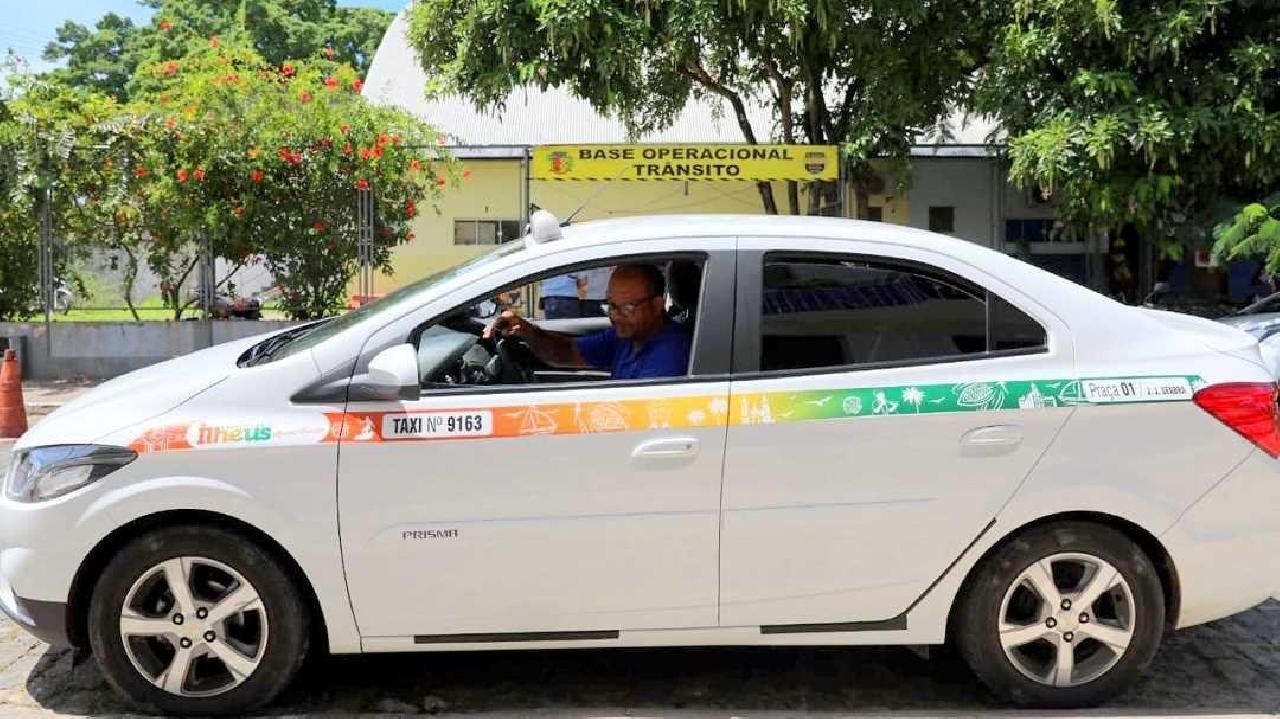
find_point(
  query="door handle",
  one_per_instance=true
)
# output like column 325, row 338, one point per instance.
column 992, row 439
column 666, row 448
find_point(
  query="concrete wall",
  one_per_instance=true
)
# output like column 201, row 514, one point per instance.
column 101, row 350
column 967, row 184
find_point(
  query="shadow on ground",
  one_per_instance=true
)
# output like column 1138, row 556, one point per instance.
column 1228, row 666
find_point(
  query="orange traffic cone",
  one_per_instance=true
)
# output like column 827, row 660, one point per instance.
column 13, row 412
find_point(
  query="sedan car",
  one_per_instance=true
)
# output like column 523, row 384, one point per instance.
column 880, row 436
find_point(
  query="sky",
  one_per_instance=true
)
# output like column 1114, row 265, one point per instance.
column 28, row 25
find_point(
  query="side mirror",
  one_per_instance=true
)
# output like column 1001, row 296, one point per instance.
column 395, row 371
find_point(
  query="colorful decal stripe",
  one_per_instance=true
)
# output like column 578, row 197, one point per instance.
column 677, row 412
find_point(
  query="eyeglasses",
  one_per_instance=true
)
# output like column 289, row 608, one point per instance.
column 625, row 309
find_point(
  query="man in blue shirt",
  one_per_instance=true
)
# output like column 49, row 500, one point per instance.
column 641, row 343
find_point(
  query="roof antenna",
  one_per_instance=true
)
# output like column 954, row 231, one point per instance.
column 603, row 186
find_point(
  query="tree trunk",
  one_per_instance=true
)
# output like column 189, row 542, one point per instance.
column 130, row 278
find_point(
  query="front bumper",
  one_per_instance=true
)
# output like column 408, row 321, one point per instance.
column 46, row 621
column 1226, row 547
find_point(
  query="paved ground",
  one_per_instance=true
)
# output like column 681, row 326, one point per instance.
column 1229, row 667
column 1232, row 666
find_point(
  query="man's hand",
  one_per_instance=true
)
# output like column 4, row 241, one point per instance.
column 553, row 348
column 510, row 323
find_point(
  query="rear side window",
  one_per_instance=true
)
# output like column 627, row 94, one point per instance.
column 819, row 312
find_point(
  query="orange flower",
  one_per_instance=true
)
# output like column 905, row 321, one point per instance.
column 305, row 96
column 182, row 175
column 395, row 139
column 440, row 182
column 318, row 226
column 239, row 212
column 415, row 165
column 466, row 174
column 199, row 174
column 331, row 82
column 347, row 149
column 232, row 78
column 344, row 128
column 365, row 153
column 357, row 85
column 362, row 184
column 170, row 67
column 213, row 41
column 166, row 25
column 377, row 151
column 170, row 123
column 409, row 237
column 383, row 139
column 255, row 175
column 288, row 69
column 410, row 209
column 140, row 172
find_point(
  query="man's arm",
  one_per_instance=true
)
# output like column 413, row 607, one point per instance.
column 558, row 350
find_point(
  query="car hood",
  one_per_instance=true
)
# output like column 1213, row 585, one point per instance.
column 137, row 396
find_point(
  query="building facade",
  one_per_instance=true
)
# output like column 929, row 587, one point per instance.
column 957, row 186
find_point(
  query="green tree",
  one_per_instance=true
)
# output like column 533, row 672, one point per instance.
column 868, row 75
column 46, row 132
column 1254, row 231
column 1149, row 113
column 95, row 58
column 107, row 56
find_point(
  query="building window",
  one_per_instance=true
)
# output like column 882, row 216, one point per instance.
column 875, row 214
column 485, row 232
column 942, row 219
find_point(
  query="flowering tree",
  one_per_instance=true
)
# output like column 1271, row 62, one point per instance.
column 224, row 153
column 267, row 161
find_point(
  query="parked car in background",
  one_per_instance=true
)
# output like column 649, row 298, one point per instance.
column 1262, row 320
column 881, row 436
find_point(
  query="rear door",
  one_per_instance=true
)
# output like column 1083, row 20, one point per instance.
column 885, row 403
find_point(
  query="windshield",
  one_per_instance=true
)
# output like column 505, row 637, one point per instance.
column 389, row 301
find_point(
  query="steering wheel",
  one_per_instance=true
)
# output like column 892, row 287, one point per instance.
column 503, row 366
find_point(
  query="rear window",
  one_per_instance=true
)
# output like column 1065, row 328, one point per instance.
column 818, row 313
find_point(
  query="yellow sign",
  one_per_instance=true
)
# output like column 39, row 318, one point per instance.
column 685, row 162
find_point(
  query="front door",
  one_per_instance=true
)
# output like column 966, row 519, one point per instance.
column 883, row 409
column 565, row 509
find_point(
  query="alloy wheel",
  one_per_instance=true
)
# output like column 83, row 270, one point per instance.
column 193, row 627
column 1067, row 619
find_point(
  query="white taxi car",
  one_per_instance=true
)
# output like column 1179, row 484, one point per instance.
column 884, row 436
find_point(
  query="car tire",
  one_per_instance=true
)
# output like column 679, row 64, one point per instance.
column 133, row 600
column 1063, row 656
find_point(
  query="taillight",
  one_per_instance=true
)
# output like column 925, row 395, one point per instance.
column 1249, row 408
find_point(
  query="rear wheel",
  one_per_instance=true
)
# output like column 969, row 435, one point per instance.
column 197, row 620
column 1064, row 615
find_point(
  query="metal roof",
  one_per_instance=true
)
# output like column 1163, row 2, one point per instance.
column 555, row 116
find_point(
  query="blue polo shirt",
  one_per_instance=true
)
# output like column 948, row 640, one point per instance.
column 666, row 354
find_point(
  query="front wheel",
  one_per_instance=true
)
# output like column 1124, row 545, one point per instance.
column 197, row 620
column 1065, row 615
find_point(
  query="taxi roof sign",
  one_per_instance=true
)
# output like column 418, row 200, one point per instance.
column 543, row 227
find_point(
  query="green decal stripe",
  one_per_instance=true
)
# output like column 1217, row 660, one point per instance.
column 766, row 407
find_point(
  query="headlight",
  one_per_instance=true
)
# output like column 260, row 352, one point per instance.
column 46, row 472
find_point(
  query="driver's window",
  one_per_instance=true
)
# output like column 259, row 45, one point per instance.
column 590, row 323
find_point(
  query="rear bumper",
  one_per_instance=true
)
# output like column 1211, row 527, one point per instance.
column 1226, row 547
